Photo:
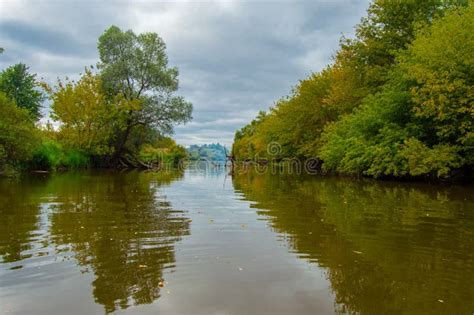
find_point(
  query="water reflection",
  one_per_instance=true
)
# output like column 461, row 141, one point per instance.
column 118, row 227
column 19, row 211
column 387, row 248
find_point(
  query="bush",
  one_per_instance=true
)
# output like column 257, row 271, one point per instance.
column 171, row 155
column 47, row 156
column 50, row 155
column 18, row 136
column 150, row 154
column 420, row 124
column 75, row 159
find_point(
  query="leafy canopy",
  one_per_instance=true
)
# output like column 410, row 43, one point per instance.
column 136, row 66
column 86, row 116
column 397, row 101
column 421, row 123
column 21, row 87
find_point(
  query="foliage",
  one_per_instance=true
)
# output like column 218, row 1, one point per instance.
column 75, row 159
column 390, row 26
column 244, row 147
column 21, row 87
column 51, row 155
column 104, row 118
column 440, row 66
column 18, row 135
column 136, row 67
column 47, row 156
column 164, row 151
column 421, row 123
column 397, row 101
column 85, row 114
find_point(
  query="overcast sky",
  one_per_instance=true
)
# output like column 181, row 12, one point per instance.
column 235, row 58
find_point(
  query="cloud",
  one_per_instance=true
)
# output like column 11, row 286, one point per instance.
column 235, row 57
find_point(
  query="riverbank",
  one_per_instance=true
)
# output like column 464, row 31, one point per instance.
column 395, row 102
column 312, row 167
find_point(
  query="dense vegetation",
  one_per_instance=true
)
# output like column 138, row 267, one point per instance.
column 398, row 99
column 210, row 152
column 118, row 116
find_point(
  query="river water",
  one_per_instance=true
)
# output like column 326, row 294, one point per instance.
column 205, row 242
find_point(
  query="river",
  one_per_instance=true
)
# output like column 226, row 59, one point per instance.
column 204, row 242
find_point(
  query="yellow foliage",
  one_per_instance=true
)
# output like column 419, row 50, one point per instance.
column 85, row 114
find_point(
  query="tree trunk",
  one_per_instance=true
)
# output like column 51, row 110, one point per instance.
column 120, row 148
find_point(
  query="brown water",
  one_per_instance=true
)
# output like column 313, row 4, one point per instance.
column 207, row 243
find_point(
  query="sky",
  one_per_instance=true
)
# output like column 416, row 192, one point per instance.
column 235, row 58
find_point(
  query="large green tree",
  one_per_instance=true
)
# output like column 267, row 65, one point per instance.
column 136, row 67
column 21, row 86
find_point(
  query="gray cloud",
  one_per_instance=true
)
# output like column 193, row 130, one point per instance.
column 235, row 57
column 42, row 39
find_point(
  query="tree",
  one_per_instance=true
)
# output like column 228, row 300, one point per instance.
column 22, row 87
column 440, row 66
column 390, row 26
column 136, row 67
column 397, row 101
column 421, row 123
column 86, row 114
column 361, row 67
column 18, row 135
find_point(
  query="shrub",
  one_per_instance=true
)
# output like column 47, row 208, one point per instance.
column 18, row 136
column 75, row 159
column 47, row 156
column 50, row 155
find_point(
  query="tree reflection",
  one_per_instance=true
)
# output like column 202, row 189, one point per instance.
column 19, row 218
column 387, row 247
column 117, row 226
column 123, row 229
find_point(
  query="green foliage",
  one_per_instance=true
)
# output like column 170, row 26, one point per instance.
column 47, row 156
column 51, row 155
column 22, row 88
column 390, row 26
column 177, row 154
column 136, row 67
column 121, row 113
column 421, row 123
column 75, row 159
column 18, row 135
column 164, row 151
column 398, row 100
column 440, row 66
column 421, row 159
column 244, row 146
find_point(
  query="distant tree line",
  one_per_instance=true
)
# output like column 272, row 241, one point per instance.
column 210, row 152
column 397, row 100
column 119, row 115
